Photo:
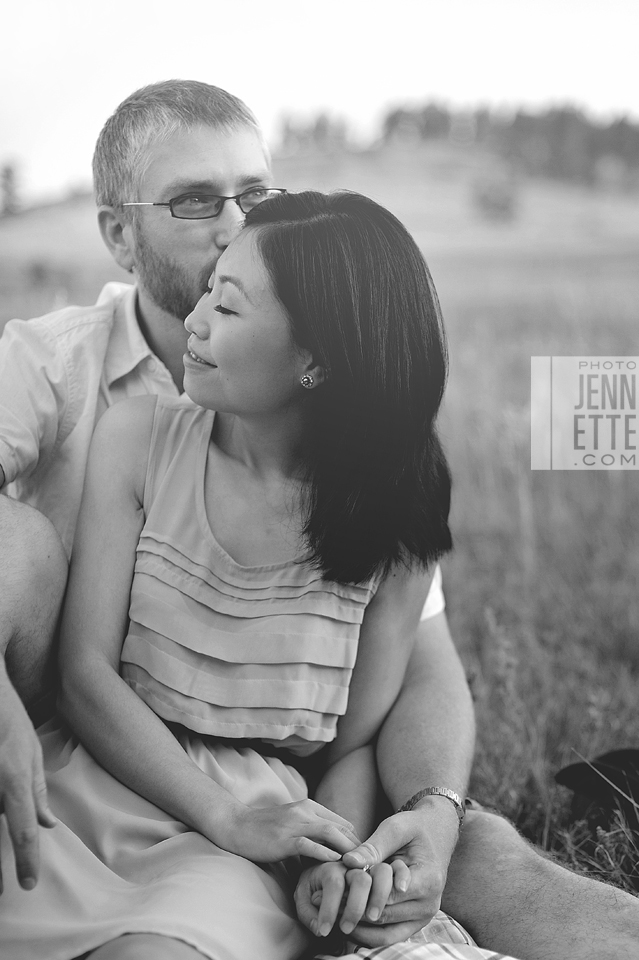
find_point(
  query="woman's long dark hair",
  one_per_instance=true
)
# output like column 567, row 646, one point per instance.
column 360, row 297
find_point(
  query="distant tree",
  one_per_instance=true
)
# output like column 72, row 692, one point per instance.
column 483, row 125
column 8, row 190
column 434, row 121
column 323, row 132
column 621, row 139
column 400, row 124
column 568, row 135
column 328, row 133
column 430, row 122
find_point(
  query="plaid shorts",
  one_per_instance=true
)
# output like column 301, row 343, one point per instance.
column 442, row 939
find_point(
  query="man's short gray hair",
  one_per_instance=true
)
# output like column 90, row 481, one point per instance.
column 154, row 114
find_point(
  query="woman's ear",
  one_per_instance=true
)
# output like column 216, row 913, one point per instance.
column 313, row 375
column 117, row 234
column 318, row 374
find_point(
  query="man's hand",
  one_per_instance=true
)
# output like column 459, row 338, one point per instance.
column 23, row 793
column 424, row 839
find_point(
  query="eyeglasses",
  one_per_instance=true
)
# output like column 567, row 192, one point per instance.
column 205, row 206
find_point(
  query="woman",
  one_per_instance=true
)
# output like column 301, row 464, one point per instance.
column 232, row 561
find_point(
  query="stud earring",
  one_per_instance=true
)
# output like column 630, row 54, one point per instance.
column 307, row 381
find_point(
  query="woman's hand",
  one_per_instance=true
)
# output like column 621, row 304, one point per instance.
column 303, row 828
column 329, row 890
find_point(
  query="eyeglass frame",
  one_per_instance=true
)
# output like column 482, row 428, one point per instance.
column 193, row 193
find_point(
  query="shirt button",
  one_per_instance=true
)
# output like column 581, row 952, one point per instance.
column 151, row 364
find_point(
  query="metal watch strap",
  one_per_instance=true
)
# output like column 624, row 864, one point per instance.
column 454, row 798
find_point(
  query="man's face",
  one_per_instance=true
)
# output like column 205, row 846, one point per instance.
column 174, row 258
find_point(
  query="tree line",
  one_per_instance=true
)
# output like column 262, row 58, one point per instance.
column 560, row 142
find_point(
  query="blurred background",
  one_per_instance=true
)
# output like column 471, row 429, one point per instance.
column 506, row 137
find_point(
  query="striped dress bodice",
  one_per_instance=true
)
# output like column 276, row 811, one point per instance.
column 231, row 651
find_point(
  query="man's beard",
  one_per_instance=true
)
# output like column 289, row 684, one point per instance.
column 168, row 284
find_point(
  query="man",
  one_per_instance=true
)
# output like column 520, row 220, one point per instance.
column 177, row 141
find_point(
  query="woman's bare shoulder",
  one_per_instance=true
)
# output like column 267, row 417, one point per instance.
column 126, row 424
column 121, row 440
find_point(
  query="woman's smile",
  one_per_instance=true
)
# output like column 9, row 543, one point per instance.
column 197, row 359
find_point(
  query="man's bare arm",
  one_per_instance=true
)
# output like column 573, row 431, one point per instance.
column 426, row 740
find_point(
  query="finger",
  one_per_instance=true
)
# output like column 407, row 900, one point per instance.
column 306, row 911
column 328, row 814
column 305, row 847
column 391, row 835
column 376, row 935
column 40, row 798
column 23, row 830
column 346, row 829
column 407, row 911
column 359, row 885
column 382, row 877
column 401, row 876
column 332, row 892
column 330, row 835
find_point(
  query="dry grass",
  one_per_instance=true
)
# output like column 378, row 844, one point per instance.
column 542, row 587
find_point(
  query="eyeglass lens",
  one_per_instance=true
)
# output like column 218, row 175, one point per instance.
column 202, row 206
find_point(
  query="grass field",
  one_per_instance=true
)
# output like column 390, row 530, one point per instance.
column 542, row 586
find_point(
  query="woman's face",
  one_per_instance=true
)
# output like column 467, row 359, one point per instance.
column 241, row 356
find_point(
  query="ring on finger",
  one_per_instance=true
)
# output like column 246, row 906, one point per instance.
column 367, row 868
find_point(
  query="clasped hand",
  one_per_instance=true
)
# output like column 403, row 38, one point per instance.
column 393, row 900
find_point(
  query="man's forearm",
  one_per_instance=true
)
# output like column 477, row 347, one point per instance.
column 428, row 738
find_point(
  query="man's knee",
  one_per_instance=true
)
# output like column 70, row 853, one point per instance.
column 33, row 573
column 488, row 835
column 491, row 857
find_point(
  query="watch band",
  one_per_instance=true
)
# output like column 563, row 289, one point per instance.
column 454, row 798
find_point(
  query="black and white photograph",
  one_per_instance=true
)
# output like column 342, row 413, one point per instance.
column 319, row 480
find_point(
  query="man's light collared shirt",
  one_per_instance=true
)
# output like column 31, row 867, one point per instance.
column 58, row 374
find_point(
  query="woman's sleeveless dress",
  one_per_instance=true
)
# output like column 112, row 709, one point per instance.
column 228, row 652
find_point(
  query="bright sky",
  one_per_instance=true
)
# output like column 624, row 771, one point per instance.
column 66, row 64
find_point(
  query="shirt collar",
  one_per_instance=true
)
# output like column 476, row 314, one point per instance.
column 127, row 347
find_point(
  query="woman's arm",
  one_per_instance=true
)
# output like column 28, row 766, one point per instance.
column 118, row 728
column 115, row 725
column 349, row 785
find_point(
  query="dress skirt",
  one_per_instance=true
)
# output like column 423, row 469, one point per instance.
column 117, row 864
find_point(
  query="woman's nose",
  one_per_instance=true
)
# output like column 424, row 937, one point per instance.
column 197, row 322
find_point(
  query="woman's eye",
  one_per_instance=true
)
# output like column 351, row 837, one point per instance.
column 221, row 309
